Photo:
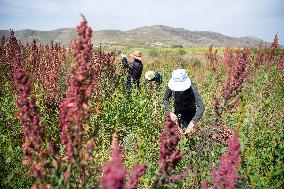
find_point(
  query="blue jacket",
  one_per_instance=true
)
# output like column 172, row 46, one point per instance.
column 158, row 78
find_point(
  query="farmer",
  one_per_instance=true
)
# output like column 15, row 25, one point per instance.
column 153, row 76
column 134, row 69
column 186, row 98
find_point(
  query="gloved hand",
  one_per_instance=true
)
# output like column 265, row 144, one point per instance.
column 190, row 128
column 123, row 55
column 173, row 116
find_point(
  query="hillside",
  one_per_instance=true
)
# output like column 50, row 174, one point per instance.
column 157, row 35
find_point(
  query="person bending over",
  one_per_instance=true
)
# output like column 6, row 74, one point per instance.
column 188, row 105
column 154, row 76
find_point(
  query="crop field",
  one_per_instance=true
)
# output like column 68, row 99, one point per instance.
column 67, row 121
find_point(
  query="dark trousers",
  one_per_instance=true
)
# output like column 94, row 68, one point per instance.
column 129, row 82
column 184, row 117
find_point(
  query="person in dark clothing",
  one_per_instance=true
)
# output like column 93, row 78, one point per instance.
column 154, row 76
column 135, row 69
column 186, row 98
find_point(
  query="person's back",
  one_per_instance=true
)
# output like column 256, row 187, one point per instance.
column 184, row 100
column 136, row 70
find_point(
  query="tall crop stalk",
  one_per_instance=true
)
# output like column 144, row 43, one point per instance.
column 115, row 174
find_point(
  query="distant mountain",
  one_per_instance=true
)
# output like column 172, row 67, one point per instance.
column 158, row 35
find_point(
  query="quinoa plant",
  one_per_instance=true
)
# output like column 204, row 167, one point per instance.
column 169, row 155
column 211, row 57
column 226, row 176
column 115, row 175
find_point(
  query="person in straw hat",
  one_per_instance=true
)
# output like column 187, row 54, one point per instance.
column 134, row 69
column 153, row 76
column 186, row 98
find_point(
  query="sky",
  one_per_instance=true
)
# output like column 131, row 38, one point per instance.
column 238, row 18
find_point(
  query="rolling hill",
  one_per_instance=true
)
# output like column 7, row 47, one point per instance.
column 157, row 35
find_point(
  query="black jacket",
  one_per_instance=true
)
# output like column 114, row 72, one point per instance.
column 185, row 101
column 134, row 69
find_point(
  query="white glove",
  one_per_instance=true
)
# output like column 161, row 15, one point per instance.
column 173, row 116
column 190, row 128
column 123, row 55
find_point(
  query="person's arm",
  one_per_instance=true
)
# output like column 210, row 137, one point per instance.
column 199, row 104
column 124, row 62
column 167, row 95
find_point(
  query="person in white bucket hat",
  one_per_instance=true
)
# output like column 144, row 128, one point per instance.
column 186, row 98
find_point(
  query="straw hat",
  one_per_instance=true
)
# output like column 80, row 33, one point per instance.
column 149, row 75
column 136, row 55
column 179, row 80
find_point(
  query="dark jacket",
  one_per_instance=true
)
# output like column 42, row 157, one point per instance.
column 185, row 101
column 158, row 78
column 134, row 69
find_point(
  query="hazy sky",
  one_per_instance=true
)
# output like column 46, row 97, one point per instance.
column 259, row 18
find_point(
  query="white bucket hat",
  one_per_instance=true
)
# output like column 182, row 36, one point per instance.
column 150, row 75
column 179, row 80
